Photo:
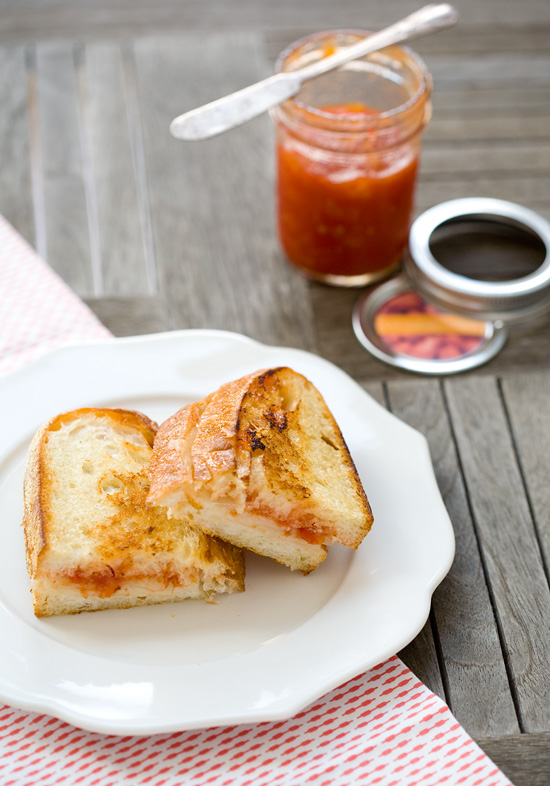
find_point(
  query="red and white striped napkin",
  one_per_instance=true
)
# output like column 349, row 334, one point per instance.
column 38, row 311
column 383, row 728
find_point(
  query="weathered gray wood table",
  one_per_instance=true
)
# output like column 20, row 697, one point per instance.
column 155, row 234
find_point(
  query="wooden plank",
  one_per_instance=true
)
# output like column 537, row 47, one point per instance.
column 475, row 677
column 509, row 70
column 16, row 203
column 420, row 655
column 421, row 658
column 68, row 244
column 129, row 316
column 468, row 100
column 78, row 18
column 508, row 126
column 450, row 191
column 525, row 190
column 376, row 391
column 528, row 404
column 36, row 163
column 336, row 341
column 212, row 202
column 498, row 158
column 466, row 40
column 525, row 758
column 123, row 222
column 526, row 351
column 463, row 40
column 508, row 541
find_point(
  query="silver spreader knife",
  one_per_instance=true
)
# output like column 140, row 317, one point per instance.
column 235, row 109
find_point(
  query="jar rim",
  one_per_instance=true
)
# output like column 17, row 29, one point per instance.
column 361, row 122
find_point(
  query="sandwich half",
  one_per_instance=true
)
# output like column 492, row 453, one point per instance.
column 91, row 540
column 262, row 464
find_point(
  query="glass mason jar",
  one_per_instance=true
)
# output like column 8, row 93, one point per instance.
column 348, row 147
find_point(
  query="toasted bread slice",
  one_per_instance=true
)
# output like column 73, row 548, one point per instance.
column 262, row 464
column 92, row 542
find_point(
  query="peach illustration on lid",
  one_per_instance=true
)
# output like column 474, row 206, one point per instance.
column 410, row 326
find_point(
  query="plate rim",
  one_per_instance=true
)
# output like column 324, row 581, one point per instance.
column 279, row 711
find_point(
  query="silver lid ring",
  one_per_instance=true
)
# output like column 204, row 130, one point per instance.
column 512, row 301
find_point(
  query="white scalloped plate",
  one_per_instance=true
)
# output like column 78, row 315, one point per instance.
column 260, row 655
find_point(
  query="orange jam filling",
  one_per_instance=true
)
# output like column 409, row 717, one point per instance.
column 344, row 220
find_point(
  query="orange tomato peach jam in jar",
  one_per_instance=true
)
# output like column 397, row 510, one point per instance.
column 348, row 147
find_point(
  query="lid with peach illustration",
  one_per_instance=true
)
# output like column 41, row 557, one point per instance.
column 399, row 327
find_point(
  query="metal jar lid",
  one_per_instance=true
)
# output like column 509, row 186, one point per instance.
column 490, row 293
column 474, row 266
column 398, row 327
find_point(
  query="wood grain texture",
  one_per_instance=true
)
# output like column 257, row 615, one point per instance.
column 78, row 18
column 496, row 156
column 525, row 758
column 67, row 218
column 508, row 541
column 212, row 202
column 421, row 654
column 475, row 677
column 422, row 659
column 528, row 406
column 128, row 316
column 127, row 261
column 16, row 203
column 465, row 39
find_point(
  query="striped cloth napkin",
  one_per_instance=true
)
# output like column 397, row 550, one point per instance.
column 37, row 310
column 384, row 727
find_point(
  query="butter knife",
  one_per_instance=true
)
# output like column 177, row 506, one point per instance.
column 235, row 109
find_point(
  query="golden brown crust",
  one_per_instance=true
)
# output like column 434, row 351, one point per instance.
column 123, row 417
column 169, row 465
column 213, row 448
column 33, row 521
column 369, row 518
column 286, row 462
column 38, row 483
column 110, row 549
column 210, row 427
